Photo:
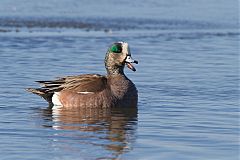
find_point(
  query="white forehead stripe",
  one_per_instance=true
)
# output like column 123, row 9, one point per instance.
column 125, row 48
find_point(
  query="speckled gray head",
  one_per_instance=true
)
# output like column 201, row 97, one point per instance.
column 119, row 55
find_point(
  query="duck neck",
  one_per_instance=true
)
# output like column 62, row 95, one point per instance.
column 114, row 70
column 112, row 67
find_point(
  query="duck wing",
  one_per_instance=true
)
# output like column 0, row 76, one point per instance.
column 80, row 83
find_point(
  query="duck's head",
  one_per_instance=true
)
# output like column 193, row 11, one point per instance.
column 119, row 55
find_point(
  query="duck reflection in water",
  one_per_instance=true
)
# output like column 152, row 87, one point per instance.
column 114, row 127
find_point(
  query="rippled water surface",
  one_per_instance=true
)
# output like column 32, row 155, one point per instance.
column 187, row 78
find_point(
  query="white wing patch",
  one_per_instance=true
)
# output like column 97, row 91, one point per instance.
column 85, row 92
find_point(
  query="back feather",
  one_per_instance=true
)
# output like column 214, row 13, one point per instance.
column 80, row 83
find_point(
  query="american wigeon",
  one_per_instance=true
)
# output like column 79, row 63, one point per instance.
column 94, row 90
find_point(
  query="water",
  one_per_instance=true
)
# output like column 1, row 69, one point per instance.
column 187, row 78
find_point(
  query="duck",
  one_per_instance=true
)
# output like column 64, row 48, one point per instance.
column 114, row 89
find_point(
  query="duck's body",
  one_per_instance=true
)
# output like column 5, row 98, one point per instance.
column 93, row 90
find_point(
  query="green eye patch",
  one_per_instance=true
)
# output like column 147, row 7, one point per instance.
column 116, row 48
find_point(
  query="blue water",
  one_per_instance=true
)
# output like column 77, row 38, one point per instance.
column 187, row 78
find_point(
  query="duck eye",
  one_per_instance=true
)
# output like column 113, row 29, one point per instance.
column 116, row 49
